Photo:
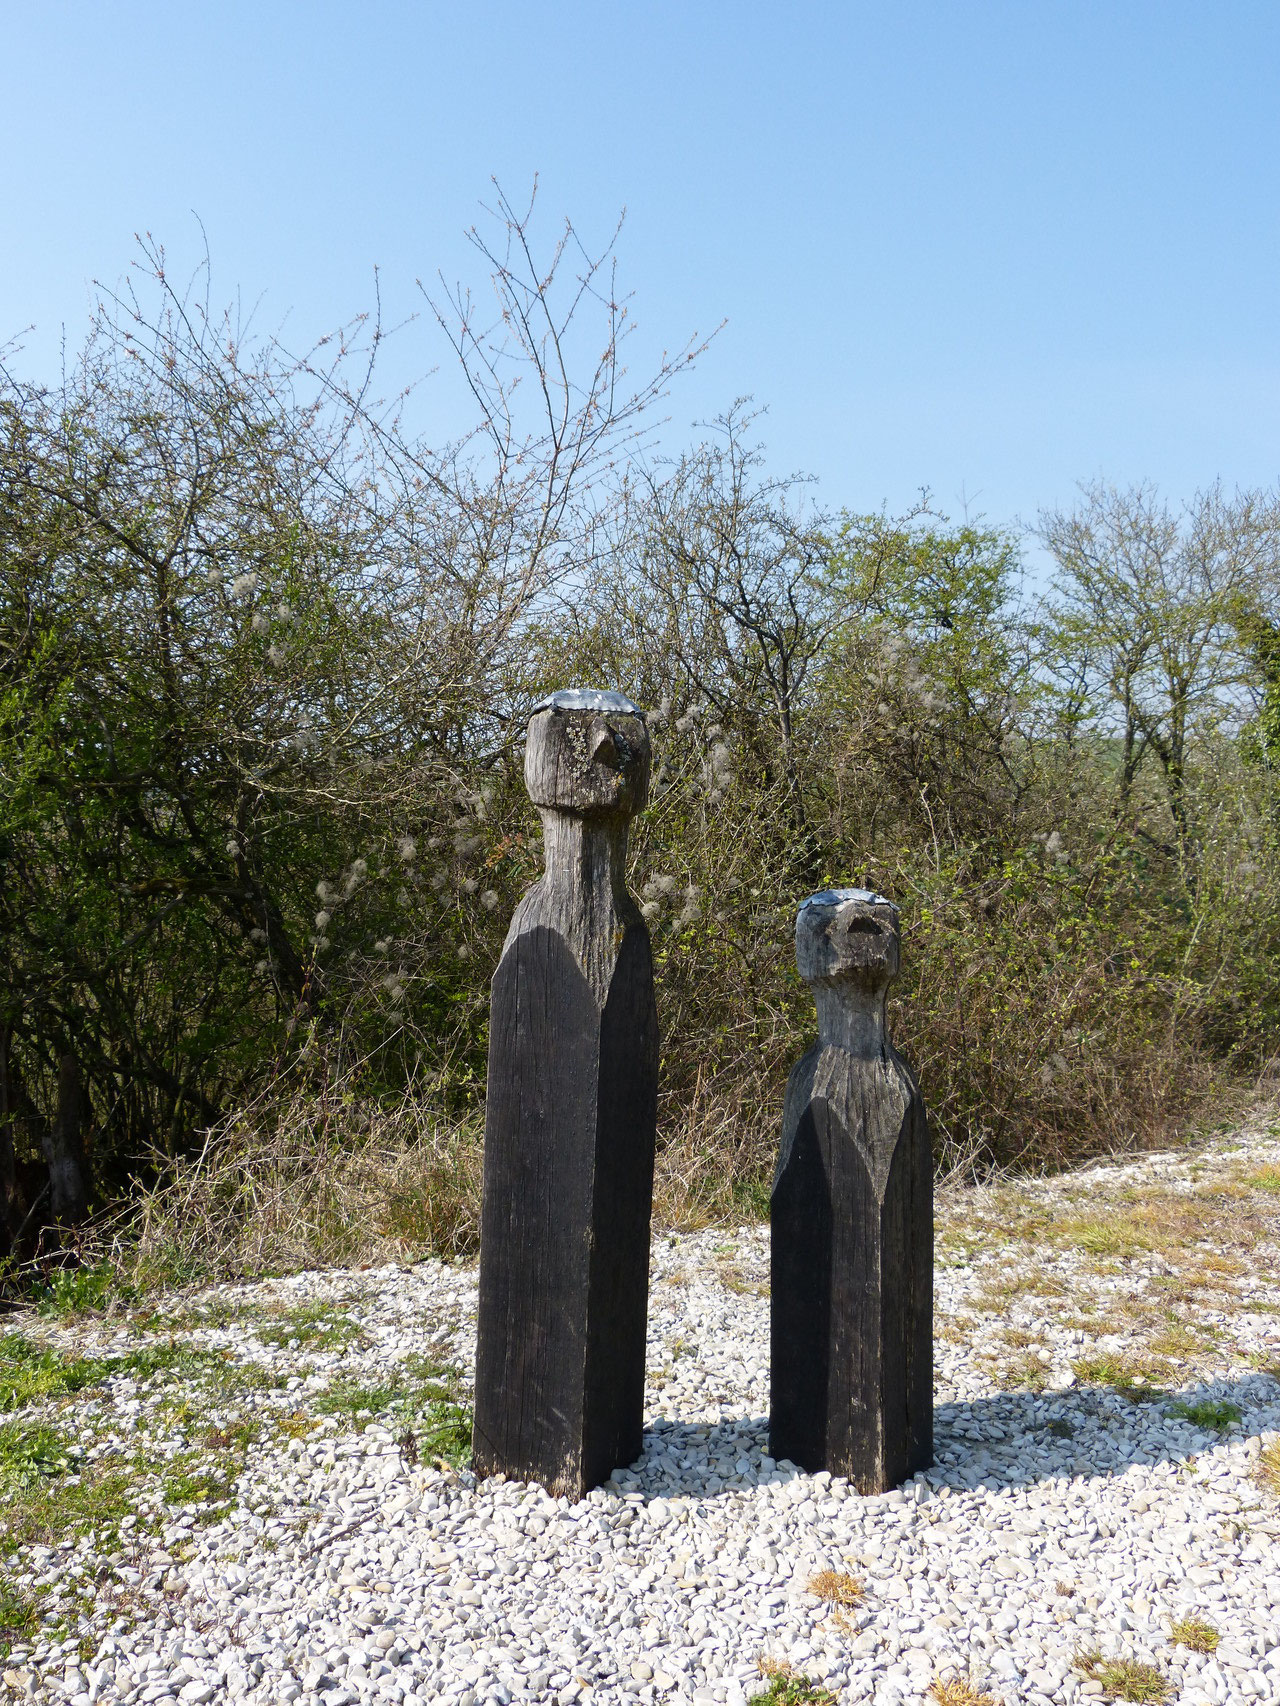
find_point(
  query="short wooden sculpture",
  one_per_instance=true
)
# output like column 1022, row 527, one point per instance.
column 852, row 1218
column 569, row 1122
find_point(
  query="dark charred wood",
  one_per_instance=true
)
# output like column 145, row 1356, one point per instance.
column 569, row 1128
column 852, row 1220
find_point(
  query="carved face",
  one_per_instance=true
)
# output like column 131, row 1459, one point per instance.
column 587, row 761
column 848, row 934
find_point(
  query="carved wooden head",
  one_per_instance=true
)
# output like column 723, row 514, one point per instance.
column 588, row 752
column 848, row 935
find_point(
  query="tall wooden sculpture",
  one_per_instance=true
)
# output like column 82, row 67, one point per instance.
column 852, row 1217
column 569, row 1122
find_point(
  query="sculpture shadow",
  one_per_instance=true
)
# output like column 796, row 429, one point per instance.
column 1005, row 1440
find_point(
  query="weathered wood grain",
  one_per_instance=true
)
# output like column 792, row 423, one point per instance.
column 852, row 1219
column 570, row 1114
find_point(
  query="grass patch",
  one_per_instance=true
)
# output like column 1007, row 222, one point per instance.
column 1117, row 1237
column 68, row 1292
column 732, row 1278
column 425, row 1405
column 1213, row 1414
column 32, row 1373
column 1026, row 1373
column 1136, row 1380
column 1266, row 1179
column 789, row 1687
column 836, row 1587
column 1179, row 1341
column 1125, row 1679
column 1269, row 1466
column 1060, row 1428
column 52, row 1509
column 317, row 1326
column 193, row 1480
column 955, row 1691
column 19, row 1618
column 29, row 1455
column 1195, row 1633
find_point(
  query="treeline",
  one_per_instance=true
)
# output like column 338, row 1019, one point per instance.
column 265, row 661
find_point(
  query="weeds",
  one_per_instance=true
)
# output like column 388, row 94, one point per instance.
column 1114, row 1237
column 310, row 1179
column 19, row 1618
column 1212, row 1414
column 1131, row 1379
column 204, row 1487
column 30, row 1372
column 1125, row 1679
column 789, row 1687
column 49, row 1509
column 1269, row 1467
column 955, row 1691
column 316, row 1325
column 69, row 1292
column 1194, row 1633
column 29, row 1455
column 836, row 1587
column 424, row 1406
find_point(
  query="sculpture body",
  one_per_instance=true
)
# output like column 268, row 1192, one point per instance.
column 852, row 1218
column 570, row 1115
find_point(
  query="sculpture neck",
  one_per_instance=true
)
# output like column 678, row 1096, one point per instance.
column 852, row 1017
column 586, row 855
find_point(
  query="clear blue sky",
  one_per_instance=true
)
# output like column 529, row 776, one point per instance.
column 988, row 247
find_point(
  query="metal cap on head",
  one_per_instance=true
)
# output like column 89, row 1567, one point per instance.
column 588, row 752
column 848, row 934
column 587, row 699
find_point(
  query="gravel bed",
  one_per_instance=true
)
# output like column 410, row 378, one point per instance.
column 1061, row 1517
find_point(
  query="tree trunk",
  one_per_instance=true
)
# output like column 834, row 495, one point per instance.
column 8, row 1176
column 64, row 1149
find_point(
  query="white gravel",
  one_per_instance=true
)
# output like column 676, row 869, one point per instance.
column 346, row 1574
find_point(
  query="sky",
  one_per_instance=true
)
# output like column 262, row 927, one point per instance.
column 990, row 249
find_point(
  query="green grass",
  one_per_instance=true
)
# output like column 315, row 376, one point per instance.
column 203, row 1482
column 1115, row 1237
column 316, row 1325
column 48, row 1509
column 1195, row 1633
column 751, row 1197
column 1121, row 1374
column 790, row 1689
column 1125, row 1679
column 19, row 1618
column 80, row 1291
column 31, row 1373
column 424, row 1404
column 1214, row 1414
column 29, row 1455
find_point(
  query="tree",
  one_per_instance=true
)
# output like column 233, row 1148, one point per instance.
column 729, row 562
column 930, row 675
column 1144, row 603
column 257, row 650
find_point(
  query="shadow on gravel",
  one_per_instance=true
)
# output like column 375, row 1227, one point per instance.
column 1010, row 1439
column 1014, row 1439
